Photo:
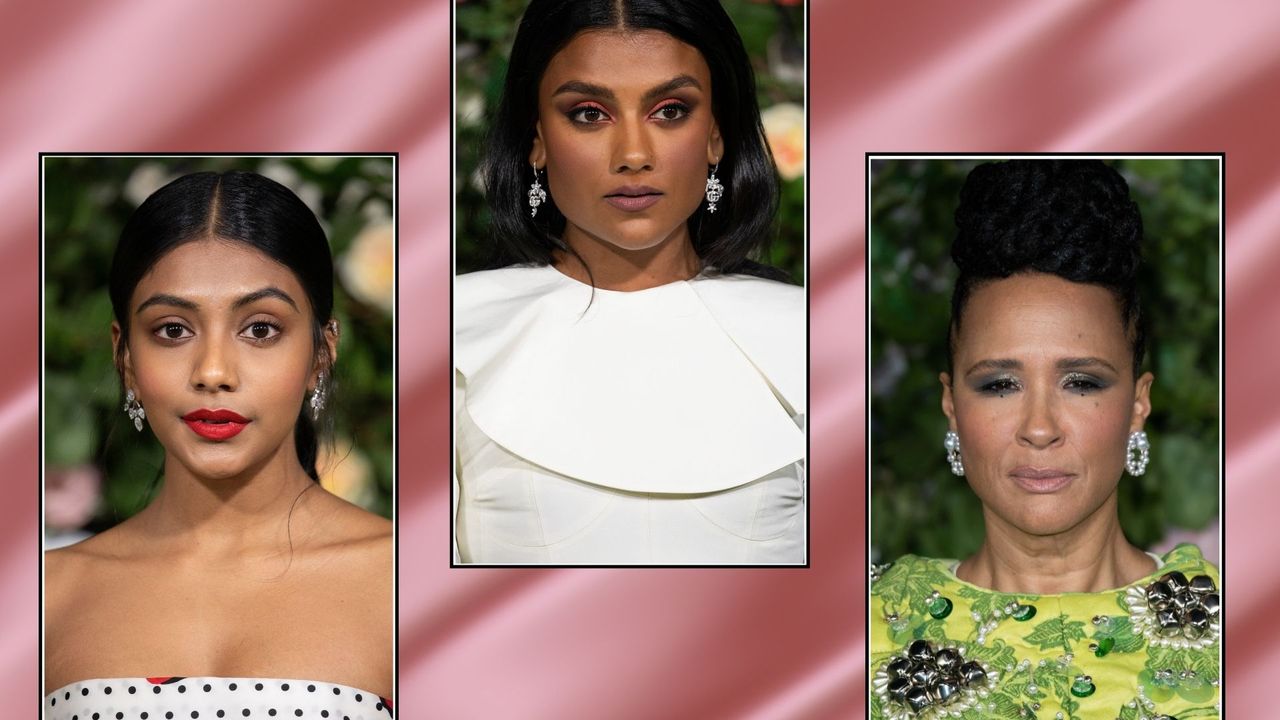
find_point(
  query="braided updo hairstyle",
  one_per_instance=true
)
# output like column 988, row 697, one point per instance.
column 1070, row 218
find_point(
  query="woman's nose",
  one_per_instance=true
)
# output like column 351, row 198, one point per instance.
column 633, row 150
column 1039, row 427
column 214, row 367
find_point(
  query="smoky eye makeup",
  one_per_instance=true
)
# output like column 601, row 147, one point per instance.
column 1084, row 383
column 997, row 386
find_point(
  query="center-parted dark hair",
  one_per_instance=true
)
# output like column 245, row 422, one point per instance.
column 1070, row 218
column 242, row 207
column 726, row 240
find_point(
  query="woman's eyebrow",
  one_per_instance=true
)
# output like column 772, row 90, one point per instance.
column 256, row 295
column 600, row 91
column 164, row 299
column 1001, row 364
column 266, row 292
column 1071, row 363
column 1083, row 362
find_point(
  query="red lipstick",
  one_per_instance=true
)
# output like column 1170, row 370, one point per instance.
column 633, row 198
column 216, row 425
column 1041, row 480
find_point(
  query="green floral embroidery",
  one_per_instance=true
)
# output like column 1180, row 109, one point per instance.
column 984, row 602
column 1120, row 630
column 1056, row 632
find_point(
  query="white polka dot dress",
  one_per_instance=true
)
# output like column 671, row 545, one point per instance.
column 212, row 698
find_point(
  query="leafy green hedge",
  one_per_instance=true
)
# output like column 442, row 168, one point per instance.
column 917, row 505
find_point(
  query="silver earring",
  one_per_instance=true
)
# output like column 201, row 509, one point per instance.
column 715, row 190
column 951, row 441
column 134, row 410
column 317, row 398
column 1138, row 454
column 537, row 195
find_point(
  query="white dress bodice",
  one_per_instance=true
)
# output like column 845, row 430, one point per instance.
column 664, row 426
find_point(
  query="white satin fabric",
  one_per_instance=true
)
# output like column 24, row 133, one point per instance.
column 663, row 426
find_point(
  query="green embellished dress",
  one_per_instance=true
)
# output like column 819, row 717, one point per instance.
column 941, row 647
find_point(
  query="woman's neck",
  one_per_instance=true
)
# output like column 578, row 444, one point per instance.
column 1091, row 557
column 615, row 268
column 255, row 511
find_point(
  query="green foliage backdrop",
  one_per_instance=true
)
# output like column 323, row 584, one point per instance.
column 773, row 35
column 917, row 505
column 87, row 202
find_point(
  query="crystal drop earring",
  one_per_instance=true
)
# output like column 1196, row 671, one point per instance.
column 715, row 190
column 134, row 410
column 317, row 398
column 951, row 441
column 537, row 195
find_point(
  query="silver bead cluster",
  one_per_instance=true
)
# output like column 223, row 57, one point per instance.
column 923, row 682
column 1176, row 612
column 1138, row 453
column 951, row 441
column 878, row 570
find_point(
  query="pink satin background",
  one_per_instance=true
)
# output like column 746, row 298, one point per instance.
column 567, row 644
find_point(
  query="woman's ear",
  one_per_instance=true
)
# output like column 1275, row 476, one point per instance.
column 538, row 154
column 715, row 145
column 1141, row 401
column 120, row 351
column 328, row 354
column 948, row 402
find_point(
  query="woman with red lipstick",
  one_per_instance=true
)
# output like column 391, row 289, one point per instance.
column 630, row 385
column 1057, row 614
column 244, row 589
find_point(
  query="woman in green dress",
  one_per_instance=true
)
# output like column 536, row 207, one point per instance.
column 1056, row 615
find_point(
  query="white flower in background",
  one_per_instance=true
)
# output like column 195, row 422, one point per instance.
column 346, row 472
column 376, row 211
column 353, row 192
column 285, row 174
column 280, row 171
column 470, row 109
column 367, row 268
column 784, row 127
column 477, row 180
column 145, row 179
column 71, row 497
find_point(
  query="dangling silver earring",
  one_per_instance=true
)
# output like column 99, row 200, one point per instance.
column 951, row 441
column 1138, row 454
column 537, row 195
column 317, row 398
column 715, row 190
column 134, row 410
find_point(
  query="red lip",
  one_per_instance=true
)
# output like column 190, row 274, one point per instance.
column 1041, row 480
column 633, row 198
column 215, row 425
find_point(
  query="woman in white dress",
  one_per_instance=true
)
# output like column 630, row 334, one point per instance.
column 244, row 589
column 630, row 385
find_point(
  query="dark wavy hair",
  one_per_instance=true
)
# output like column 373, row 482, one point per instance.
column 243, row 207
column 1070, row 218
column 726, row 240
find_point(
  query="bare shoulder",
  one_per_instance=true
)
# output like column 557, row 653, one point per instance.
column 354, row 533
column 70, row 568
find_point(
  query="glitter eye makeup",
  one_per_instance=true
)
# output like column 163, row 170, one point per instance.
column 998, row 386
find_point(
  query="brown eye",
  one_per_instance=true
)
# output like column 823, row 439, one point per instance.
column 173, row 331
column 260, row 331
column 674, row 111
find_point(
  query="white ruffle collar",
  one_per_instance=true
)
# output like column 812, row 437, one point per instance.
column 691, row 387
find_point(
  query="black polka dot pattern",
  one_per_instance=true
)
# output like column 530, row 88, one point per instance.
column 127, row 699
